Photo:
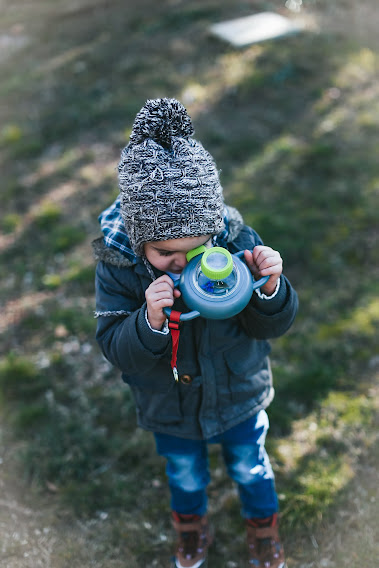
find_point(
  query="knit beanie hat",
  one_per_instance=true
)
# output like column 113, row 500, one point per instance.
column 169, row 184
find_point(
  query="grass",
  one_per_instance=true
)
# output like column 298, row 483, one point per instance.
column 293, row 126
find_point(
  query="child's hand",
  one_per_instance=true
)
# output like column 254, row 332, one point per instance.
column 160, row 294
column 264, row 261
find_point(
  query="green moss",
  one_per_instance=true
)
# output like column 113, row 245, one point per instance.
column 30, row 416
column 65, row 237
column 20, row 379
column 11, row 222
column 348, row 409
column 75, row 320
column 10, row 134
column 52, row 281
column 81, row 275
column 48, row 215
column 316, row 486
column 362, row 321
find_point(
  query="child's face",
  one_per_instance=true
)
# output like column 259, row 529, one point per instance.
column 170, row 255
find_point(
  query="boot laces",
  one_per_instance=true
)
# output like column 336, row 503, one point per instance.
column 189, row 542
column 266, row 551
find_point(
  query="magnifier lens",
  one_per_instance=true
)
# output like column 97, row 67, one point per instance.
column 216, row 263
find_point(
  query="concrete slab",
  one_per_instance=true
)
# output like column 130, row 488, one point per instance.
column 255, row 28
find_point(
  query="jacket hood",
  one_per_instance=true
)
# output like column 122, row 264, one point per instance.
column 115, row 248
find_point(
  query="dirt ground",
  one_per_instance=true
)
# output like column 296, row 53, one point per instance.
column 35, row 531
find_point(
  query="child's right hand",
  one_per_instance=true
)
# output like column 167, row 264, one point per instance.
column 160, row 294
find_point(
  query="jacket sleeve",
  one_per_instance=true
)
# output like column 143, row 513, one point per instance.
column 262, row 319
column 266, row 319
column 122, row 331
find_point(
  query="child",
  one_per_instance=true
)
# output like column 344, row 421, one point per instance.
column 171, row 202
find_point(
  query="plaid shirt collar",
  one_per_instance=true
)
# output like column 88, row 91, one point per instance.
column 113, row 228
column 115, row 236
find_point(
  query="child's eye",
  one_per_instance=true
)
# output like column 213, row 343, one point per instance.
column 165, row 253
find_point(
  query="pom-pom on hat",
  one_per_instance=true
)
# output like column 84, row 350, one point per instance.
column 169, row 184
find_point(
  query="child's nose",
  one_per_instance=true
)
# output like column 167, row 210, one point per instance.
column 181, row 260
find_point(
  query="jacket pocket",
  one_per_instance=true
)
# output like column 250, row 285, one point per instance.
column 159, row 380
column 249, row 373
column 181, row 402
column 190, row 396
column 156, row 407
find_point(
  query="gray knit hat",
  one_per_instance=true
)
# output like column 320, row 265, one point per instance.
column 169, row 184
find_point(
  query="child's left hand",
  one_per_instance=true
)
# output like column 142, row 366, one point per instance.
column 264, row 261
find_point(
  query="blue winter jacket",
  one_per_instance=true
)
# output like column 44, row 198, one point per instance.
column 223, row 365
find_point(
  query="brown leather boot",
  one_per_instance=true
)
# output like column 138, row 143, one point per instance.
column 265, row 548
column 194, row 538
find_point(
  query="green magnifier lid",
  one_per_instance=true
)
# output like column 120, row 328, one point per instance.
column 216, row 263
column 194, row 252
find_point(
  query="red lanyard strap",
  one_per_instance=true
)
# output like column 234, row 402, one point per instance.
column 173, row 324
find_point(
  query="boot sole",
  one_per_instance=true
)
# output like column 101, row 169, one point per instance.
column 203, row 565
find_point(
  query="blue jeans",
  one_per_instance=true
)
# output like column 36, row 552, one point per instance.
column 246, row 461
